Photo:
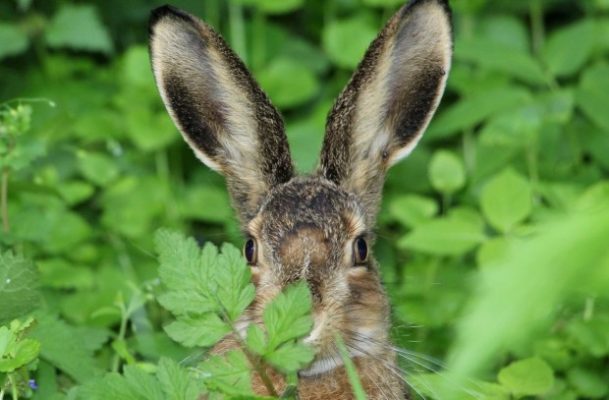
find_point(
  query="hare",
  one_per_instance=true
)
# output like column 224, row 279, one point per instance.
column 318, row 227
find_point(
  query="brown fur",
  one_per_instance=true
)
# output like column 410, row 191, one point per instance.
column 305, row 227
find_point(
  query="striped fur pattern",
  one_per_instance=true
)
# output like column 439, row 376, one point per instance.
column 305, row 227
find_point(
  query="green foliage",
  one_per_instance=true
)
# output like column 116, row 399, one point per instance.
column 78, row 28
column 17, row 354
column 208, row 291
column 492, row 236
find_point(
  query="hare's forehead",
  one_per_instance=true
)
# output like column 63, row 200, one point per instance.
column 310, row 203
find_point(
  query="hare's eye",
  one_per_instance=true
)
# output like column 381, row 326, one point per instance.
column 360, row 251
column 249, row 250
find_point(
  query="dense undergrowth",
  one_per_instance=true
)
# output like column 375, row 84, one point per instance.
column 493, row 237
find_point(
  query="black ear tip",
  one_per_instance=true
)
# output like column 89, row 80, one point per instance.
column 166, row 11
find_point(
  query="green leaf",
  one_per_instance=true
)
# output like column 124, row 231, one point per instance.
column 472, row 110
column 78, row 27
column 66, row 347
column 201, row 331
column 97, row 168
column 449, row 236
column 528, row 377
column 232, row 277
column 291, row 357
column 144, row 384
column 506, row 200
column 593, row 94
column 177, row 382
column 217, row 204
column 185, row 271
column 288, row 82
column 255, row 339
column 567, row 49
column 412, row 210
column 22, row 352
column 60, row 274
column 446, row 172
column 13, row 41
column 229, row 373
column 287, row 316
column 589, row 384
column 18, row 287
column 76, row 191
column 492, row 55
column 346, row 40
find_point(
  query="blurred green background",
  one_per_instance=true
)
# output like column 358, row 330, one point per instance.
column 493, row 236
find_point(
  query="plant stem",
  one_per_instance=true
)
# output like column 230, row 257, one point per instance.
column 4, row 200
column 254, row 360
column 122, row 331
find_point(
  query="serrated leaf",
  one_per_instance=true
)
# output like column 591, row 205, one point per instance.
column 229, row 373
column 232, row 277
column 531, row 377
column 255, row 339
column 144, row 384
column 177, row 382
column 78, row 27
column 18, row 286
column 291, row 357
column 287, row 316
column 506, row 200
column 181, row 271
column 201, row 331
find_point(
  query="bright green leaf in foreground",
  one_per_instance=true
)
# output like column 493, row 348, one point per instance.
column 206, row 290
column 530, row 377
column 229, row 374
column 288, row 317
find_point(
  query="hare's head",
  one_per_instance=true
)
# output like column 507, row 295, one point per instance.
column 318, row 227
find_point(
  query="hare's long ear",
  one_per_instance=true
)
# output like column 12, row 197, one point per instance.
column 385, row 108
column 221, row 112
